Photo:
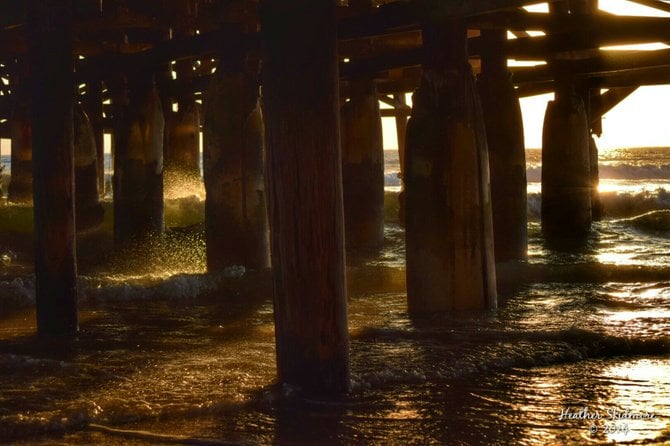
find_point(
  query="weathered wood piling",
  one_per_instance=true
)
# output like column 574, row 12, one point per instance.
column 401, row 132
column 449, row 234
column 362, row 166
column 88, row 209
column 236, row 222
column 21, row 182
column 566, row 188
column 566, row 161
column 52, row 98
column 507, row 157
column 401, row 129
column 594, row 179
column 593, row 103
column 138, row 159
column 92, row 107
column 301, row 98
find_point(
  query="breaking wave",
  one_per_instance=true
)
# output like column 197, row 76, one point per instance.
column 616, row 204
column 616, row 172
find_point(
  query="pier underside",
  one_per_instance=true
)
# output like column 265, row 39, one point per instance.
column 286, row 95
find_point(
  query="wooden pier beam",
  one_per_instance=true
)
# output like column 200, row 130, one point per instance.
column 507, row 157
column 21, row 182
column 362, row 166
column 449, row 234
column 300, row 91
column 566, row 160
column 52, row 96
column 88, row 210
column 138, row 159
column 236, row 221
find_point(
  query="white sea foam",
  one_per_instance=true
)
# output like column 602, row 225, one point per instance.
column 19, row 292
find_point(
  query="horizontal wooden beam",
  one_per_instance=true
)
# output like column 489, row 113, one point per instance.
column 609, row 63
column 386, row 19
column 202, row 45
column 395, row 112
column 393, row 102
column 406, row 84
column 574, row 33
column 449, row 9
column 388, row 40
column 407, row 16
column 520, row 20
column 398, row 59
column 593, row 31
column 635, row 78
column 400, row 49
column 366, row 47
column 656, row 4
column 125, row 21
column 529, row 81
column 534, row 89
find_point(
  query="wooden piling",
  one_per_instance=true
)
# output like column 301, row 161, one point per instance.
column 236, row 221
column 362, row 166
column 566, row 159
column 52, row 99
column 566, row 188
column 507, row 157
column 93, row 110
column 401, row 129
column 449, row 234
column 88, row 210
column 591, row 98
column 138, row 160
column 594, row 177
column 300, row 91
column 21, row 183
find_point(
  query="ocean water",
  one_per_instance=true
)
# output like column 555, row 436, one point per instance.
column 577, row 353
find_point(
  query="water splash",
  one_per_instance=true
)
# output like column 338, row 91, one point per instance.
column 178, row 185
